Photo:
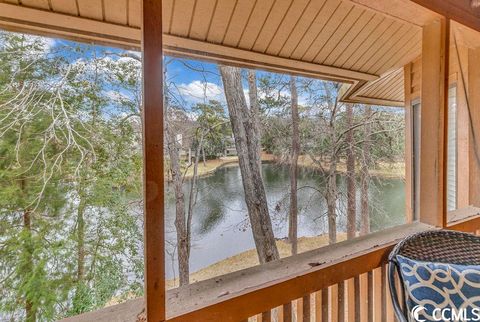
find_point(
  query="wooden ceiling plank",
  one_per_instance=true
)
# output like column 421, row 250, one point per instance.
column 134, row 13
column 371, row 88
column 281, row 7
column 370, row 41
column 314, row 29
column 334, row 21
column 220, row 21
column 385, row 55
column 411, row 50
column 361, row 38
column 40, row 4
column 394, row 88
column 225, row 54
column 388, row 86
column 256, row 23
column 68, row 7
column 306, row 20
column 280, row 36
column 387, row 49
column 349, row 37
column 202, row 18
column 239, row 20
column 406, row 54
column 182, row 17
column 339, row 34
column 51, row 24
column 376, row 46
column 402, row 10
column 116, row 11
column 91, row 9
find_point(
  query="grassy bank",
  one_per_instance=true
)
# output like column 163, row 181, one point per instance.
column 249, row 258
column 383, row 169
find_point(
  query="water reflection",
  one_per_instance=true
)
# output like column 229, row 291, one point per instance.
column 220, row 223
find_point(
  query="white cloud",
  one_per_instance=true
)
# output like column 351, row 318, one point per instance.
column 198, row 91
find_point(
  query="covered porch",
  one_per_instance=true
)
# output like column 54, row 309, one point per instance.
column 391, row 53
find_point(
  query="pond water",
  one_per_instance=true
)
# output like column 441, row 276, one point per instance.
column 220, row 227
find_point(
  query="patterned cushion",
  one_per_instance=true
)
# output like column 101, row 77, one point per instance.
column 429, row 286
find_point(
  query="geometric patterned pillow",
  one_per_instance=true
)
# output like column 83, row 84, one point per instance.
column 433, row 289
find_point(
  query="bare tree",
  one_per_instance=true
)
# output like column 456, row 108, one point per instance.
column 295, row 151
column 365, row 175
column 246, row 143
column 255, row 109
column 351, row 177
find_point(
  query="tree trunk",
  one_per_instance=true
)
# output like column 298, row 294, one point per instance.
column 255, row 110
column 81, row 239
column 192, row 200
column 365, row 177
column 332, row 202
column 180, row 220
column 203, row 157
column 246, row 143
column 351, row 184
column 293, row 216
column 30, row 310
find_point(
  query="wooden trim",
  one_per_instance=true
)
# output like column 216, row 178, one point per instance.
column 35, row 21
column 154, row 239
column 178, row 46
column 473, row 126
column 409, row 166
column 458, row 10
column 433, row 123
column 23, row 19
column 465, row 219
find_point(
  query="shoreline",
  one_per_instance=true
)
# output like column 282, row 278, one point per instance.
column 394, row 170
column 249, row 258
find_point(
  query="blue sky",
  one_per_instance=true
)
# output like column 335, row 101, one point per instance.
column 194, row 81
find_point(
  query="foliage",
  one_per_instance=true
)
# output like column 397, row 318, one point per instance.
column 69, row 180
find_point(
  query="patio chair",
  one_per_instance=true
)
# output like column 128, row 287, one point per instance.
column 436, row 246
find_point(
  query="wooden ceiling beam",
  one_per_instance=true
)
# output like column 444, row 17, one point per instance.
column 18, row 18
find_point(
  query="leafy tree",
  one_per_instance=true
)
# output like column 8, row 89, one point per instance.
column 69, row 182
column 213, row 120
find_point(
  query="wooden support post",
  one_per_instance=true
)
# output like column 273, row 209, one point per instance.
column 409, row 167
column 435, row 57
column 153, row 160
column 474, row 126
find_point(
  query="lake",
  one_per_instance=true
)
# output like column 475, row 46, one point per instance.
column 220, row 227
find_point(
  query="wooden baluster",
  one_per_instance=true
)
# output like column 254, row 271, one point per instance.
column 350, row 297
column 317, row 306
column 370, row 296
column 299, row 309
column 377, row 295
column 363, row 298
column 325, row 309
column 306, row 308
column 341, row 302
column 279, row 313
column 384, row 292
column 389, row 306
column 333, row 303
column 356, row 289
column 287, row 312
column 266, row 317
